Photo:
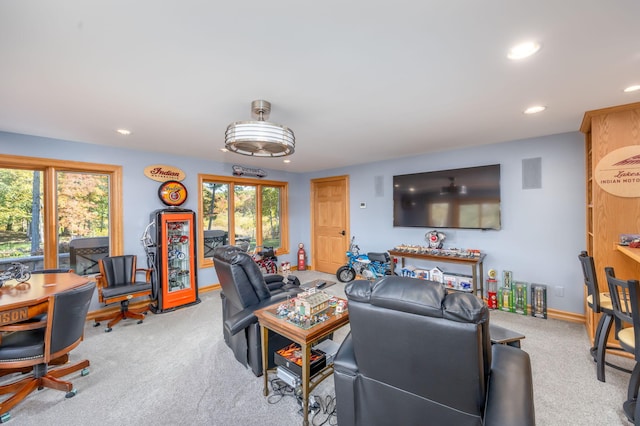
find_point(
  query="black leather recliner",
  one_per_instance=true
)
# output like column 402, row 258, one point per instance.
column 417, row 356
column 244, row 290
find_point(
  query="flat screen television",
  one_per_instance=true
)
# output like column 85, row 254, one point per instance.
column 466, row 198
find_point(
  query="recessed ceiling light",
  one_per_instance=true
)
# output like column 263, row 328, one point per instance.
column 523, row 50
column 535, row 109
column 124, row 132
column 286, row 161
column 633, row 88
column 224, row 150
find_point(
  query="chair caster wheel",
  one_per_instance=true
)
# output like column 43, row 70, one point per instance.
column 71, row 393
column 96, row 324
column 85, row 372
column 140, row 322
column 5, row 417
column 107, row 330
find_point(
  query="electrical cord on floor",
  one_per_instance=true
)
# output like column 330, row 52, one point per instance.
column 280, row 390
column 326, row 413
column 324, row 410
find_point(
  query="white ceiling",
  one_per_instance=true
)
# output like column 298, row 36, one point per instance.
column 357, row 81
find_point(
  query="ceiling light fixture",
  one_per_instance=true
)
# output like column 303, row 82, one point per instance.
column 124, row 132
column 633, row 88
column 259, row 138
column 523, row 50
column 535, row 109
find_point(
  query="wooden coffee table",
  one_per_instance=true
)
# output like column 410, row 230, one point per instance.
column 306, row 338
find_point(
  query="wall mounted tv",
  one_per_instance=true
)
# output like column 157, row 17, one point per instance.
column 466, row 198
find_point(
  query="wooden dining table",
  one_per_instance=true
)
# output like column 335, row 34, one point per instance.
column 16, row 298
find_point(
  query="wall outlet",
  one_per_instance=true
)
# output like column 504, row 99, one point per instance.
column 559, row 291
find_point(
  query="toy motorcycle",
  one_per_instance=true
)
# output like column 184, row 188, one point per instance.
column 369, row 266
column 16, row 271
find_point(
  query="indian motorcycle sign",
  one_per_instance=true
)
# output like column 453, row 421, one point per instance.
column 618, row 172
column 163, row 173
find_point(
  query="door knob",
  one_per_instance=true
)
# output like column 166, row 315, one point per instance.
column 343, row 232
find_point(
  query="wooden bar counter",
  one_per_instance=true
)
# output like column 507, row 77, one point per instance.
column 633, row 253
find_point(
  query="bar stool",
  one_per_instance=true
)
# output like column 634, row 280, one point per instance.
column 625, row 297
column 600, row 303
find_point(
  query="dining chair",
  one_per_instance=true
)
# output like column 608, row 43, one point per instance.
column 600, row 303
column 35, row 345
column 625, row 298
column 41, row 319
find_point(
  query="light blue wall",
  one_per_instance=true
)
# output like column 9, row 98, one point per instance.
column 140, row 194
column 542, row 229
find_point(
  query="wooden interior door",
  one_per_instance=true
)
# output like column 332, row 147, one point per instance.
column 329, row 223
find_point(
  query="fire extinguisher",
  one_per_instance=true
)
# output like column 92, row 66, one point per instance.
column 302, row 262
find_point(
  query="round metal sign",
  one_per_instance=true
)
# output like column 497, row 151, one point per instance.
column 172, row 193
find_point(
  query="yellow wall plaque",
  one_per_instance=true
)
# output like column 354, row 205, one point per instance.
column 618, row 172
column 163, row 173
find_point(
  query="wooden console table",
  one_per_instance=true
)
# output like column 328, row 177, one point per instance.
column 476, row 264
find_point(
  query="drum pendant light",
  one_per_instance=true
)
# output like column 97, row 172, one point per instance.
column 260, row 138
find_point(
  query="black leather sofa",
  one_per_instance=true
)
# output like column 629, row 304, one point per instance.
column 418, row 356
column 244, row 290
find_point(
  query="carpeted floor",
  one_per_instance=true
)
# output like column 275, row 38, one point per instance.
column 175, row 369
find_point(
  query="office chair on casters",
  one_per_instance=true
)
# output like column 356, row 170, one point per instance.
column 625, row 297
column 117, row 283
column 35, row 345
column 600, row 303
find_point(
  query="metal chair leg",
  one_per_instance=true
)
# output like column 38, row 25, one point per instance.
column 596, row 337
column 631, row 407
column 634, row 382
column 604, row 328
